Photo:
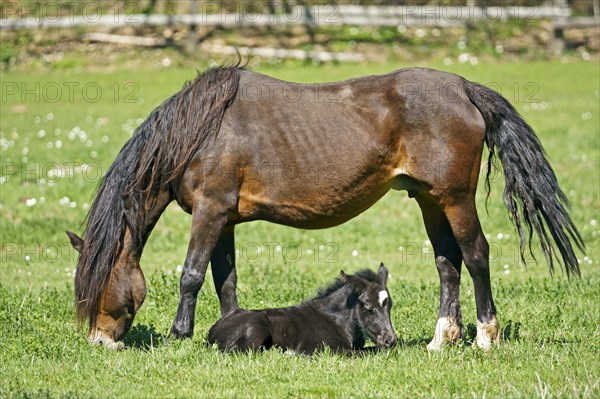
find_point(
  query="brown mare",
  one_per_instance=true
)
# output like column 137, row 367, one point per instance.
column 234, row 146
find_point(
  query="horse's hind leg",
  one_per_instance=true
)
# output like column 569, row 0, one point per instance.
column 223, row 271
column 475, row 250
column 208, row 219
column 448, row 259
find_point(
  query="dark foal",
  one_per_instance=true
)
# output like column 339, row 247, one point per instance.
column 342, row 316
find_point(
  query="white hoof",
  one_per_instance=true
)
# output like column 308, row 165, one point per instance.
column 446, row 330
column 487, row 334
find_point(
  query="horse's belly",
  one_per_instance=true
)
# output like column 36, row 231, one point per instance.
column 312, row 207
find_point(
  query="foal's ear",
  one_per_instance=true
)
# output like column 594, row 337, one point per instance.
column 357, row 283
column 76, row 241
column 383, row 274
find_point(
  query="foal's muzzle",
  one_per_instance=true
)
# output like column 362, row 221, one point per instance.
column 386, row 340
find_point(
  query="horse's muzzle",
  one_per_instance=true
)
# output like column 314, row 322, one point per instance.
column 386, row 340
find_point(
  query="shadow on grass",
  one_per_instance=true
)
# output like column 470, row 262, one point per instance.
column 143, row 337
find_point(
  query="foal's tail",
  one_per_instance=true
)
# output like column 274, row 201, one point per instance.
column 531, row 191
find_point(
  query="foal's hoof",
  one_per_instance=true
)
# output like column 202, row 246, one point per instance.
column 446, row 330
column 488, row 334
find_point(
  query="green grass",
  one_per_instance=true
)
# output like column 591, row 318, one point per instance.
column 550, row 325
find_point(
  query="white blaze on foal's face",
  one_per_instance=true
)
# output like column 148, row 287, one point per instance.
column 383, row 295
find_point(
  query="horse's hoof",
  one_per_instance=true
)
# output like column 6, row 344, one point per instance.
column 447, row 330
column 488, row 334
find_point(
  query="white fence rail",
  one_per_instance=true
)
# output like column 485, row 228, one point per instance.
column 433, row 15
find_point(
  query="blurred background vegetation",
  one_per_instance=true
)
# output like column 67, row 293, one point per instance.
column 189, row 43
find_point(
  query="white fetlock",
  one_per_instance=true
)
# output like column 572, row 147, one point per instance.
column 488, row 334
column 446, row 330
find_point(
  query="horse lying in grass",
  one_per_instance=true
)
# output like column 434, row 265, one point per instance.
column 341, row 317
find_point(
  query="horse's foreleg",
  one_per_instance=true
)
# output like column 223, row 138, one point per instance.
column 448, row 259
column 475, row 249
column 223, row 271
column 208, row 220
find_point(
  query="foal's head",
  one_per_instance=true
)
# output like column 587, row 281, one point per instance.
column 373, row 305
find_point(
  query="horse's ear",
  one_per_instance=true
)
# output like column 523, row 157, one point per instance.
column 76, row 241
column 357, row 283
column 383, row 274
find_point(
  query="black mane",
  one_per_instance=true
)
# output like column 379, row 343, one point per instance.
column 366, row 274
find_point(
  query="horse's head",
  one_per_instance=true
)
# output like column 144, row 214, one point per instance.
column 112, row 313
column 373, row 306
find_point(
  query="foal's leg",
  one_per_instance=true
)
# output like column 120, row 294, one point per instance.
column 223, row 271
column 208, row 220
column 448, row 259
column 475, row 250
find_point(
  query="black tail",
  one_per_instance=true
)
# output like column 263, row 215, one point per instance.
column 531, row 191
column 153, row 159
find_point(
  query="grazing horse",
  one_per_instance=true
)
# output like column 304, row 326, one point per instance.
column 351, row 309
column 235, row 146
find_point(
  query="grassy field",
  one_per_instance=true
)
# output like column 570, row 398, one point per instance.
column 60, row 130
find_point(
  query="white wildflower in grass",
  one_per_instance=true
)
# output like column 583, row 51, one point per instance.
column 586, row 116
column 89, row 143
column 277, row 248
column 27, row 258
column 42, row 200
column 104, row 139
column 474, row 60
column 506, row 267
column 420, row 33
column 58, row 144
column 166, row 62
column 179, row 268
column 499, row 48
column 41, row 133
column 31, row 202
column 400, row 248
column 401, row 29
column 85, row 206
column 355, row 253
column 93, row 154
column 593, row 222
column 436, row 32
column 50, row 145
column 25, row 150
column 500, row 236
column 507, row 271
column 464, row 57
column 36, row 120
column 447, row 61
column 66, row 201
column 3, row 179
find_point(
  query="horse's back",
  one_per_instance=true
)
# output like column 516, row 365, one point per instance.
column 317, row 155
column 305, row 329
column 241, row 330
